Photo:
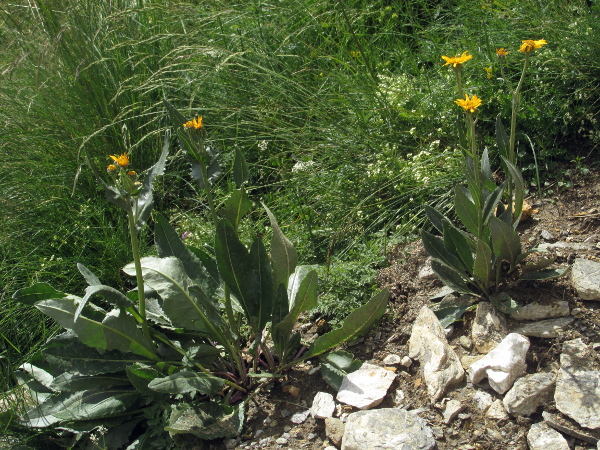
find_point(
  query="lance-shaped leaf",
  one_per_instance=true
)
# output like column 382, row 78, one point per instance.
column 237, row 205
column 504, row 303
column 213, row 168
column 113, row 331
column 303, row 292
column 142, row 205
column 168, row 278
column 283, row 253
column 451, row 277
column 436, row 248
column 248, row 274
column 207, row 420
column 93, row 404
column 502, row 138
column 482, row 269
column 456, row 244
column 38, row 292
column 505, row 241
column 357, row 322
column 168, row 243
column 336, row 365
column 79, row 359
column 187, row 381
column 110, row 294
column 240, row 168
column 492, row 202
column 544, row 274
column 90, row 278
column 466, row 209
column 516, row 178
column 68, row 382
column 436, row 218
column 140, row 375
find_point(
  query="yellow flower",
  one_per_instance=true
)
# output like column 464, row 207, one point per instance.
column 121, row 160
column 111, row 168
column 488, row 70
column 469, row 104
column 456, row 60
column 132, row 173
column 502, row 52
column 196, row 124
column 530, row 45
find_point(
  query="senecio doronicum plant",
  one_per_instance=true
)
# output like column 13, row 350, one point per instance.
column 146, row 368
column 484, row 252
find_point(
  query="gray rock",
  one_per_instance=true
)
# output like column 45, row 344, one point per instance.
column 453, row 408
column 387, row 428
column 426, row 272
column 323, row 406
column 334, row 430
column 529, row 393
column 489, row 327
column 542, row 437
column 575, row 246
column 392, row 359
column 497, row 411
column 503, row 365
column 547, row 236
column 577, row 392
column 406, row 362
column 365, row 387
column 482, row 400
column 300, row 417
column 541, row 311
column 440, row 365
column 585, row 276
column 548, row 329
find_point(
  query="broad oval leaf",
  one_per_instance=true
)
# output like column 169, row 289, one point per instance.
column 505, row 241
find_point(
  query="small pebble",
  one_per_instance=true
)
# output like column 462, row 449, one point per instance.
column 281, row 441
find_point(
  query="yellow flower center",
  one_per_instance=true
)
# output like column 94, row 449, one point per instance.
column 469, row 104
column 530, row 45
column 121, row 160
column 456, row 60
column 196, row 124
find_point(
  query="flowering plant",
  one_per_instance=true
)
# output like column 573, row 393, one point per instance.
column 484, row 250
column 170, row 357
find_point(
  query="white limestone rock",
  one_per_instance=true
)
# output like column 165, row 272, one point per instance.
column 503, row 365
column 489, row 327
column 392, row 359
column 440, row 365
column 452, row 409
column 529, row 393
column 365, row 387
column 387, row 428
column 577, row 393
column 542, row 437
column 497, row 411
column 542, row 310
column 323, row 406
column 482, row 400
column 585, row 277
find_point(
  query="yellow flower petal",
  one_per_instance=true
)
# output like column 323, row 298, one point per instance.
column 456, row 60
column 121, row 160
column 196, row 124
column 502, row 52
column 530, row 45
column 469, row 104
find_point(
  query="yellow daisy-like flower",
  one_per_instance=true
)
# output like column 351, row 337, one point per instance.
column 196, row 124
column 121, row 160
column 469, row 104
column 502, row 52
column 111, row 168
column 132, row 173
column 489, row 72
column 530, row 45
column 456, row 60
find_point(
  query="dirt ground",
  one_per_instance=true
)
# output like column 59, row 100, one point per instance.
column 572, row 215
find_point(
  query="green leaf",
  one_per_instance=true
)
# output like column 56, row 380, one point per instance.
column 436, row 248
column 516, row 178
column 436, row 218
column 283, row 253
column 168, row 278
column 79, row 359
column 492, row 202
column 36, row 293
column 240, row 168
column 482, row 269
column 466, row 209
column 505, row 241
column 91, row 279
column 187, row 381
column 357, row 322
column 534, row 267
column 213, row 168
column 486, row 170
column 302, row 292
column 502, row 138
column 93, row 404
column 68, row 382
column 336, row 365
column 140, row 375
column 452, row 308
column 456, row 244
column 114, row 331
column 450, row 277
column 544, row 274
column 111, row 295
column 144, row 201
column 168, row 243
column 207, row 420
column 248, row 274
column 237, row 205
column 504, row 303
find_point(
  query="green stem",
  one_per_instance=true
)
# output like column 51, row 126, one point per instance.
column 458, row 72
column 135, row 248
column 476, row 173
